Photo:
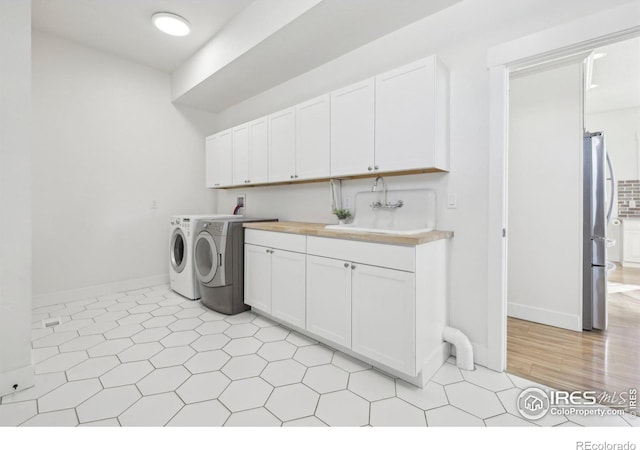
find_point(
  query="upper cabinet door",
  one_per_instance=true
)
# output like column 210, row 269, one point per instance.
column 352, row 129
column 412, row 117
column 313, row 138
column 259, row 151
column 241, row 155
column 282, row 145
column 210, row 163
column 224, row 157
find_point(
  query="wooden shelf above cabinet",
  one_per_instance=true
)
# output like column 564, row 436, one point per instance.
column 350, row 177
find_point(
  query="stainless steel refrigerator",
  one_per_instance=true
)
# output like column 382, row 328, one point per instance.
column 598, row 204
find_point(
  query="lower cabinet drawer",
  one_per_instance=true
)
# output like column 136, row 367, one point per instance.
column 285, row 241
column 383, row 255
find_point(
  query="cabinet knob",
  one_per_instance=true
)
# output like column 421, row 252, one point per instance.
column 267, row 250
column 376, row 167
column 248, row 181
column 295, row 176
column 291, row 176
column 346, row 264
column 369, row 168
column 353, row 266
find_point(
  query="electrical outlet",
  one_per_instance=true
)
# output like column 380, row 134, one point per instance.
column 241, row 201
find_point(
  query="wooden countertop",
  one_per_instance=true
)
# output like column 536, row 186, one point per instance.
column 318, row 229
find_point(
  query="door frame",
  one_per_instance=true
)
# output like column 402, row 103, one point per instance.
column 584, row 34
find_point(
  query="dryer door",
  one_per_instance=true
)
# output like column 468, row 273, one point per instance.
column 178, row 250
column 206, row 257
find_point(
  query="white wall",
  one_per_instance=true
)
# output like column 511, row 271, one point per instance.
column 622, row 132
column 107, row 143
column 15, row 196
column 544, row 206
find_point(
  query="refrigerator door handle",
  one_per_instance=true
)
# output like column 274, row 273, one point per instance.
column 612, row 194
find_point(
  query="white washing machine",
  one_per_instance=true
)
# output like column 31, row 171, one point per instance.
column 182, row 276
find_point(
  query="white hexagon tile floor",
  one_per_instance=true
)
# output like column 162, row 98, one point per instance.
column 149, row 357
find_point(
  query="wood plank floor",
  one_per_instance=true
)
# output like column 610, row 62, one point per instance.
column 596, row 360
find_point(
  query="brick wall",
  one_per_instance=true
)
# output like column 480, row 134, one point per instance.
column 628, row 190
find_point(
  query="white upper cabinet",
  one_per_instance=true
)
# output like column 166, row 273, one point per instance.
column 211, row 167
column 218, row 159
column 395, row 122
column 241, row 154
column 313, row 138
column 352, row 129
column 411, row 124
column 282, row 145
column 258, row 151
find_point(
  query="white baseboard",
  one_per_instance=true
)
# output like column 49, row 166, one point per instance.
column 545, row 316
column 23, row 378
column 98, row 290
column 630, row 264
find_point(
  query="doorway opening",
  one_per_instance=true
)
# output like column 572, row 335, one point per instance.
column 550, row 106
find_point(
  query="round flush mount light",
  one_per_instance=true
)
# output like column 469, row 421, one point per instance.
column 171, row 24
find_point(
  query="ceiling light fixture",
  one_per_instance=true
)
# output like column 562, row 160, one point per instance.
column 171, row 24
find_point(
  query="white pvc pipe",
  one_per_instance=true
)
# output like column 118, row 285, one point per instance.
column 464, row 350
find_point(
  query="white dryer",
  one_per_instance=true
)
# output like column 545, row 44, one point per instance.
column 182, row 276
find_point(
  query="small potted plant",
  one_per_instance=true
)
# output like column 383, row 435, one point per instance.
column 343, row 215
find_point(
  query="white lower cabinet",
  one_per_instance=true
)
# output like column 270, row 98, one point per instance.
column 631, row 242
column 257, row 277
column 288, row 286
column 329, row 299
column 275, row 282
column 337, row 292
column 383, row 316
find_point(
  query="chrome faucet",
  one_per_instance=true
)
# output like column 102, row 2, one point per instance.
column 384, row 188
column 384, row 204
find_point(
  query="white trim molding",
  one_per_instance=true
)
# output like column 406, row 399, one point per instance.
column 101, row 289
column 586, row 33
column 581, row 35
column 545, row 316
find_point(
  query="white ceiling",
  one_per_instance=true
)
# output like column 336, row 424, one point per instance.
column 124, row 28
column 326, row 31
column 617, row 76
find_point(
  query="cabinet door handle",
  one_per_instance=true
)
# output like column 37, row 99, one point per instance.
column 291, row 176
column 376, row 167
column 346, row 264
column 369, row 168
column 353, row 266
column 295, row 176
